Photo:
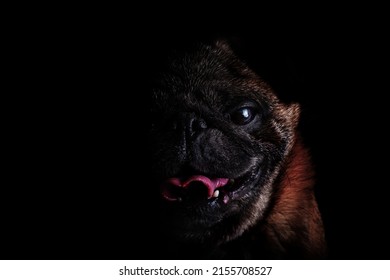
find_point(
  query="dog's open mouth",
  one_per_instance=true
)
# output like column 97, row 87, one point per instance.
column 200, row 188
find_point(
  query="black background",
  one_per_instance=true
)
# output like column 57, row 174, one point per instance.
column 79, row 154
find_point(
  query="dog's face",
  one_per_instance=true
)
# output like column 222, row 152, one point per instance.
column 218, row 138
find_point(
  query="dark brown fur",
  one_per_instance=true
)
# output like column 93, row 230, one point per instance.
column 274, row 213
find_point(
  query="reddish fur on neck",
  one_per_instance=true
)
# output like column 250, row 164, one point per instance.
column 295, row 217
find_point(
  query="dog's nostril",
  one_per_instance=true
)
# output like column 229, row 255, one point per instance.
column 197, row 125
column 194, row 124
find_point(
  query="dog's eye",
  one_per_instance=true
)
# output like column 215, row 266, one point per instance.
column 242, row 116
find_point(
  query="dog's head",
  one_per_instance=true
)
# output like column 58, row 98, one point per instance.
column 218, row 138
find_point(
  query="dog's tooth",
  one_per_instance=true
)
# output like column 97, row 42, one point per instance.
column 216, row 193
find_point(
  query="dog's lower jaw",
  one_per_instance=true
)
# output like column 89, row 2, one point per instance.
column 285, row 222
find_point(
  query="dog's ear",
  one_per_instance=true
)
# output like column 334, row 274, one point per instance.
column 292, row 113
column 224, row 44
column 238, row 45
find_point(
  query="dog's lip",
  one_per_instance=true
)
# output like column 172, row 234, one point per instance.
column 211, row 184
column 218, row 188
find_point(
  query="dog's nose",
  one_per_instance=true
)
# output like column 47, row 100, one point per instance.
column 195, row 125
column 190, row 124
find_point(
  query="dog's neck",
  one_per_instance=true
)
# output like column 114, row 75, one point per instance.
column 294, row 223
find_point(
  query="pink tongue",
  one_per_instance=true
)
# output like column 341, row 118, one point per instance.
column 168, row 187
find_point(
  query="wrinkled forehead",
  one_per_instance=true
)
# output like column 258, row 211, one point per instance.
column 208, row 76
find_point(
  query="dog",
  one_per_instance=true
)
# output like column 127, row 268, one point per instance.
column 232, row 175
